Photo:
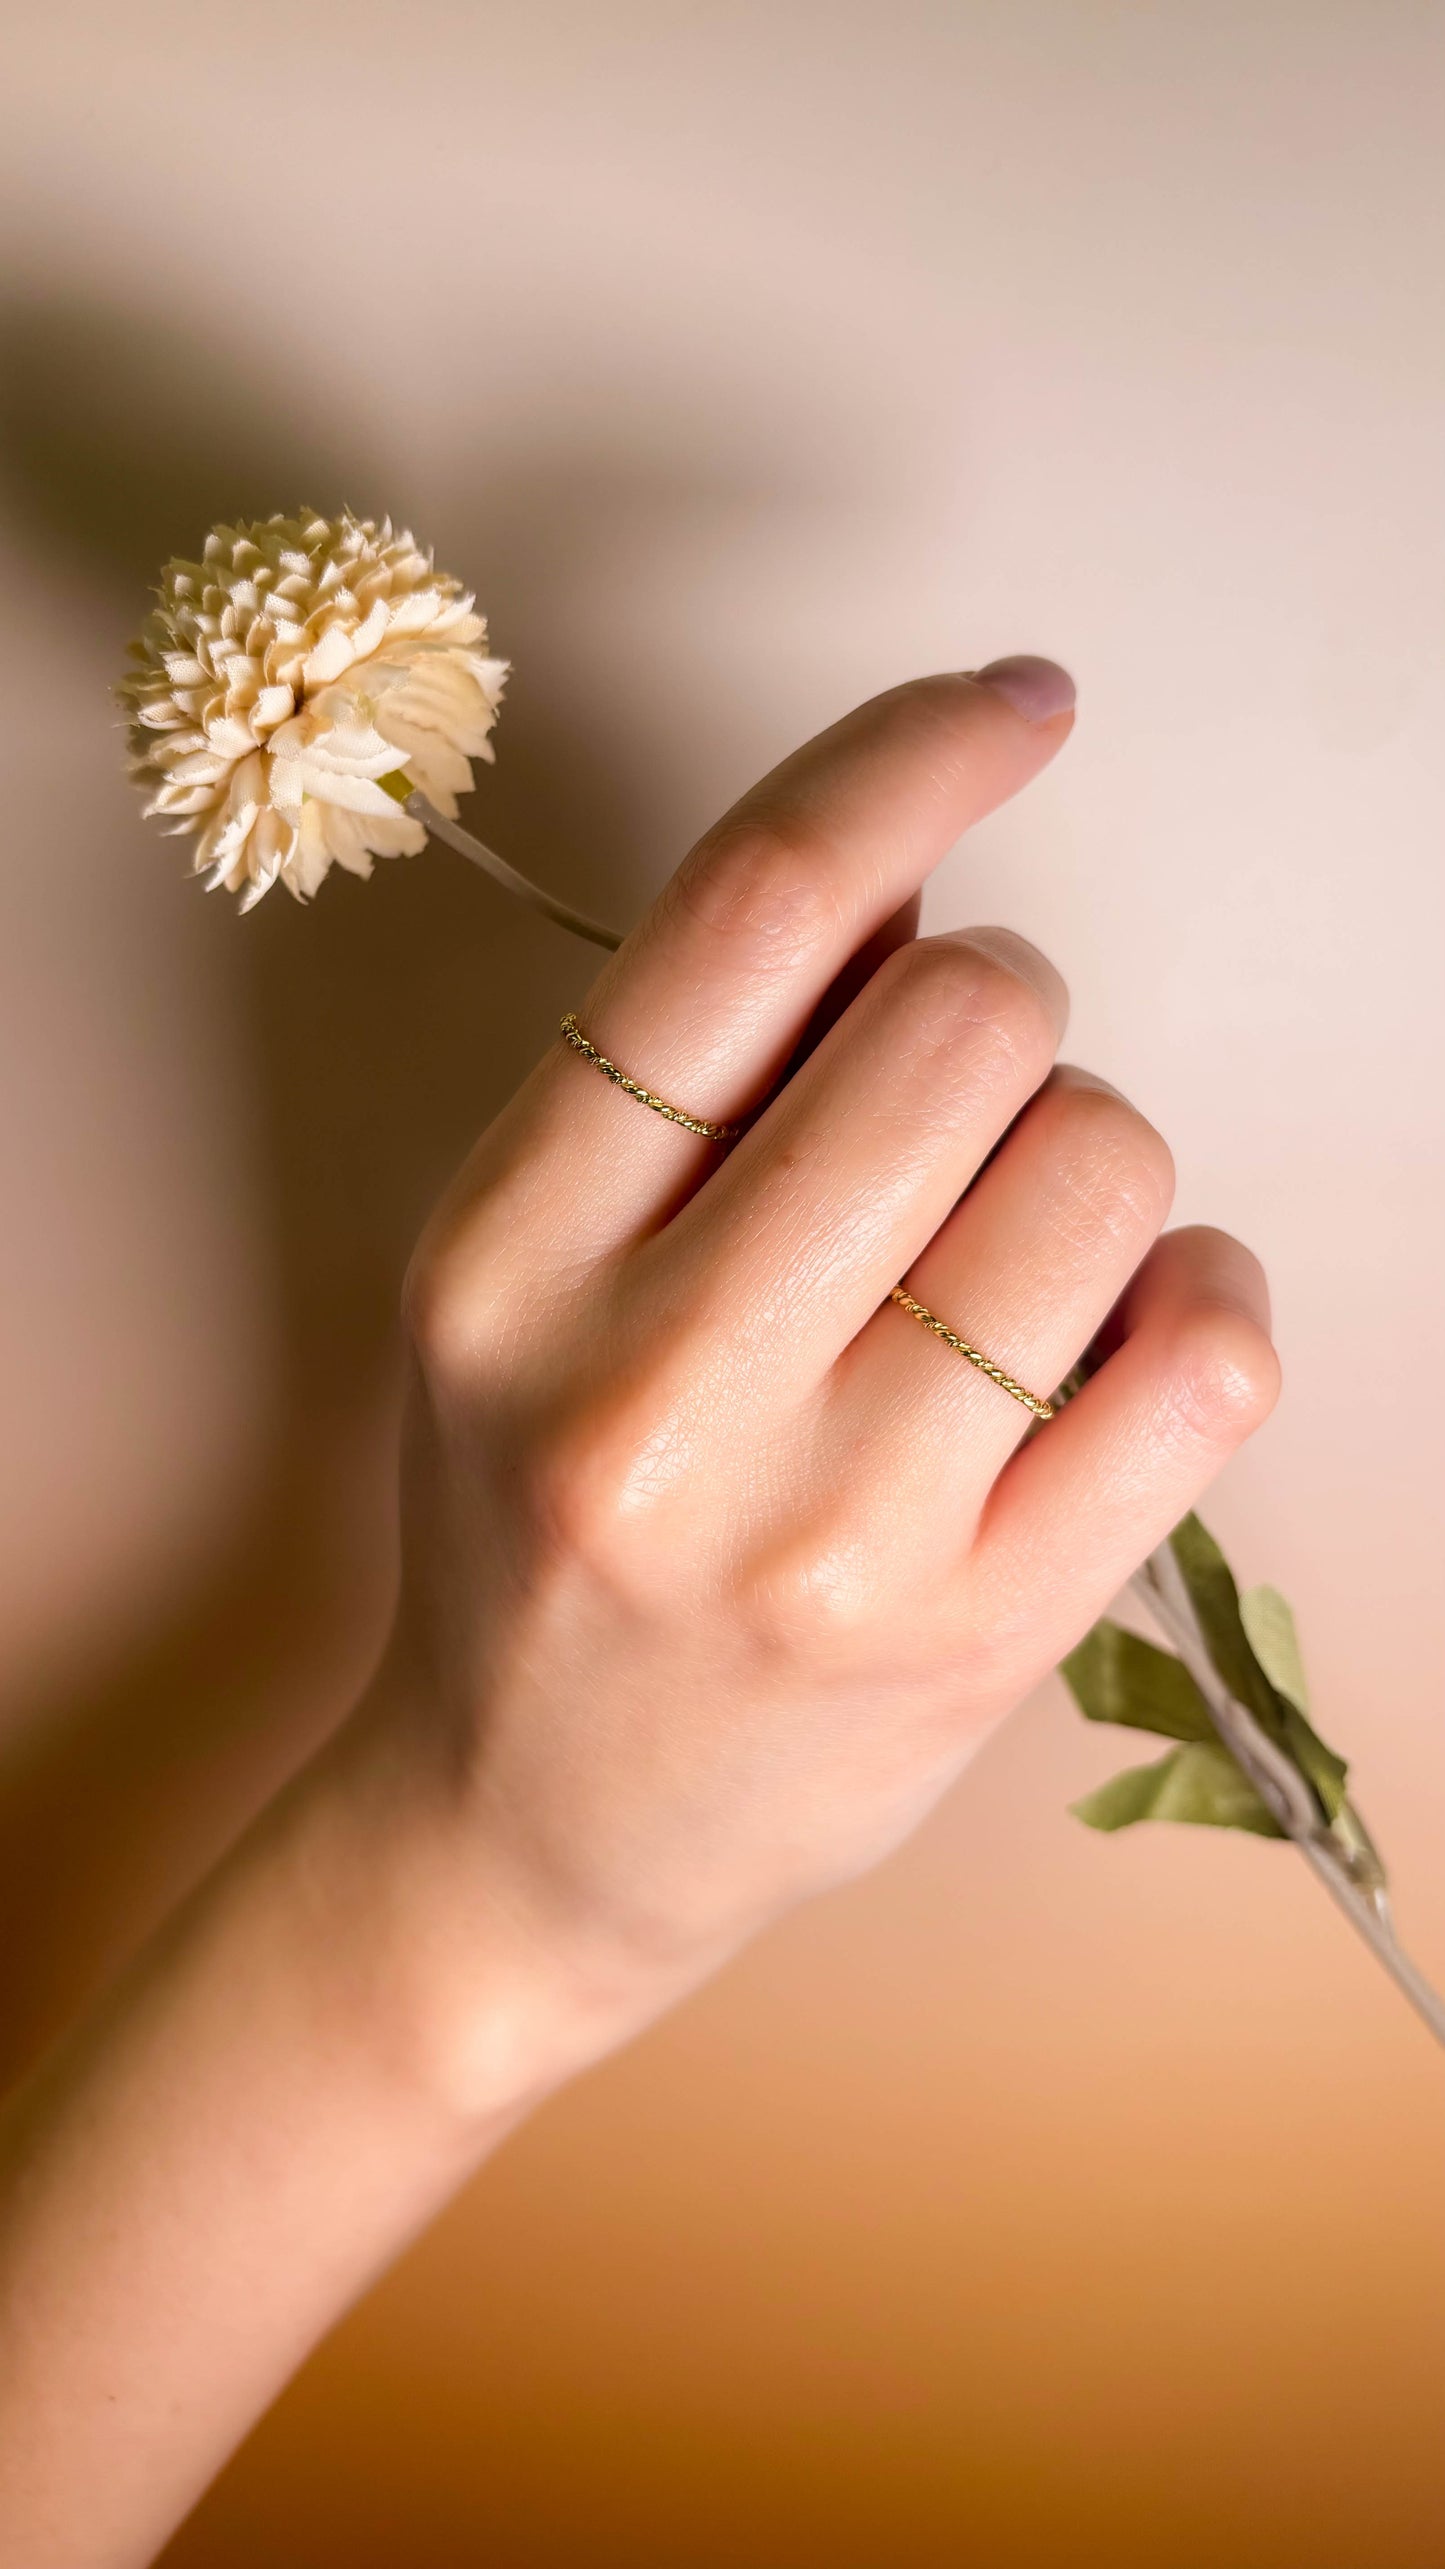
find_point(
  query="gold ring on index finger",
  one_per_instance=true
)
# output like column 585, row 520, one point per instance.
column 572, row 1034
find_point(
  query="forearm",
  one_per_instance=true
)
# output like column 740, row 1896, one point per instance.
column 291, row 2080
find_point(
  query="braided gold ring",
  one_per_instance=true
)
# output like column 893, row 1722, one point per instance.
column 974, row 1355
column 572, row 1034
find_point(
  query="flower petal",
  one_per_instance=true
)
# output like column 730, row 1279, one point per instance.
column 278, row 679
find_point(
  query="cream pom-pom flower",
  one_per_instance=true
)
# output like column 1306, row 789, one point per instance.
column 292, row 689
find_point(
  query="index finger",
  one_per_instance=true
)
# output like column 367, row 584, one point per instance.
column 705, row 1002
column 706, row 999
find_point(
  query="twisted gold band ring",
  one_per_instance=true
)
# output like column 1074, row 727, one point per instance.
column 974, row 1355
column 572, row 1034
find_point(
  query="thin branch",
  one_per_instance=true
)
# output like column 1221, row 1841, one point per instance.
column 1281, row 1787
column 506, row 875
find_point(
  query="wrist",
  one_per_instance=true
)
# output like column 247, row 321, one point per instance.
column 476, row 2001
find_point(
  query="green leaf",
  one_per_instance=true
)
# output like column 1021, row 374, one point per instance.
column 1270, row 1631
column 1217, row 1603
column 1198, row 1783
column 1115, row 1676
column 1326, row 1770
column 1210, row 1581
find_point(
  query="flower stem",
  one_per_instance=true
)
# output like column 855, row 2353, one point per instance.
column 506, row 875
column 1160, row 1586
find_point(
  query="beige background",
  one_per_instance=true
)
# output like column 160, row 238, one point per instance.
column 1044, row 2199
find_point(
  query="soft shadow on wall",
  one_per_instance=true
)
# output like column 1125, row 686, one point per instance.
column 382, row 1026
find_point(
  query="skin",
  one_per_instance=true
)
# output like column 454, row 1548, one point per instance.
column 716, row 1569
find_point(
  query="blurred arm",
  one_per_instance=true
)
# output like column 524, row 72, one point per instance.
column 293, row 2077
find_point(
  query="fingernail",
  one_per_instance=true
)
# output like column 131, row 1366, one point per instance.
column 1037, row 689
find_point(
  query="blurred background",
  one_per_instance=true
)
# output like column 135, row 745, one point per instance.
column 1044, row 2199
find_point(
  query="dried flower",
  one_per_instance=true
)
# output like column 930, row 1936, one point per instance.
column 294, row 686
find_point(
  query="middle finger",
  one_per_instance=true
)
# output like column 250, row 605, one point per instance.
column 763, row 1278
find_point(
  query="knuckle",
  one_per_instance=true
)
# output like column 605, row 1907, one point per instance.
column 589, row 1480
column 439, row 1313
column 1113, row 1156
column 1224, row 1373
column 1019, row 1014
column 765, row 877
column 458, row 1297
column 570, row 1500
column 953, row 989
column 814, row 1604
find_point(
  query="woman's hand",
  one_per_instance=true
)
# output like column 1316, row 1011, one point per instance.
column 717, row 1565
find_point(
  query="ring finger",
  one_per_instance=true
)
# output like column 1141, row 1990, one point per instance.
column 1025, row 1269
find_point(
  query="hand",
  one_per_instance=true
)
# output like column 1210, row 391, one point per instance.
column 717, row 1564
